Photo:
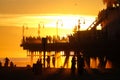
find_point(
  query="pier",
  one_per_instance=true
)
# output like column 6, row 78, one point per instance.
column 102, row 44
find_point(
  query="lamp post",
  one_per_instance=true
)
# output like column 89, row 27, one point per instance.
column 39, row 27
column 59, row 21
column 23, row 32
column 23, row 40
column 38, row 30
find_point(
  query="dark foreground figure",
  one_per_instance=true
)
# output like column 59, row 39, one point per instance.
column 80, row 65
column 73, row 66
column 37, row 67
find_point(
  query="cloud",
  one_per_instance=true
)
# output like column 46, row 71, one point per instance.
column 3, row 16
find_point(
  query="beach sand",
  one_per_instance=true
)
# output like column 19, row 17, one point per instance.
column 24, row 73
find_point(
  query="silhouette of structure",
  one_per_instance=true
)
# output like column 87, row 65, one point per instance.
column 103, row 43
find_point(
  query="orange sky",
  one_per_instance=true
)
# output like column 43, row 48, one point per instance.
column 86, row 7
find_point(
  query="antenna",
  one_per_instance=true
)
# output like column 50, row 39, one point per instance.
column 38, row 30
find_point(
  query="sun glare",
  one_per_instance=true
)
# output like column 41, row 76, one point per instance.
column 59, row 21
column 48, row 23
column 64, row 23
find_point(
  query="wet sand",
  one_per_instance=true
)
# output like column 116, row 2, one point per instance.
column 22, row 73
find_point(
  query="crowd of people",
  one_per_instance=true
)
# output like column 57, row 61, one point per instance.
column 77, row 63
column 7, row 63
column 50, row 39
column 37, row 67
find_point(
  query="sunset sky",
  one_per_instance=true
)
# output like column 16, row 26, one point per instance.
column 31, row 12
column 85, row 7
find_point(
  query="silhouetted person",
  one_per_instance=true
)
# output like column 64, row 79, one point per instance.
column 0, row 64
column 102, row 62
column 53, row 61
column 6, row 62
column 37, row 68
column 39, row 64
column 11, row 64
column 80, row 64
column 48, row 61
column 73, row 68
